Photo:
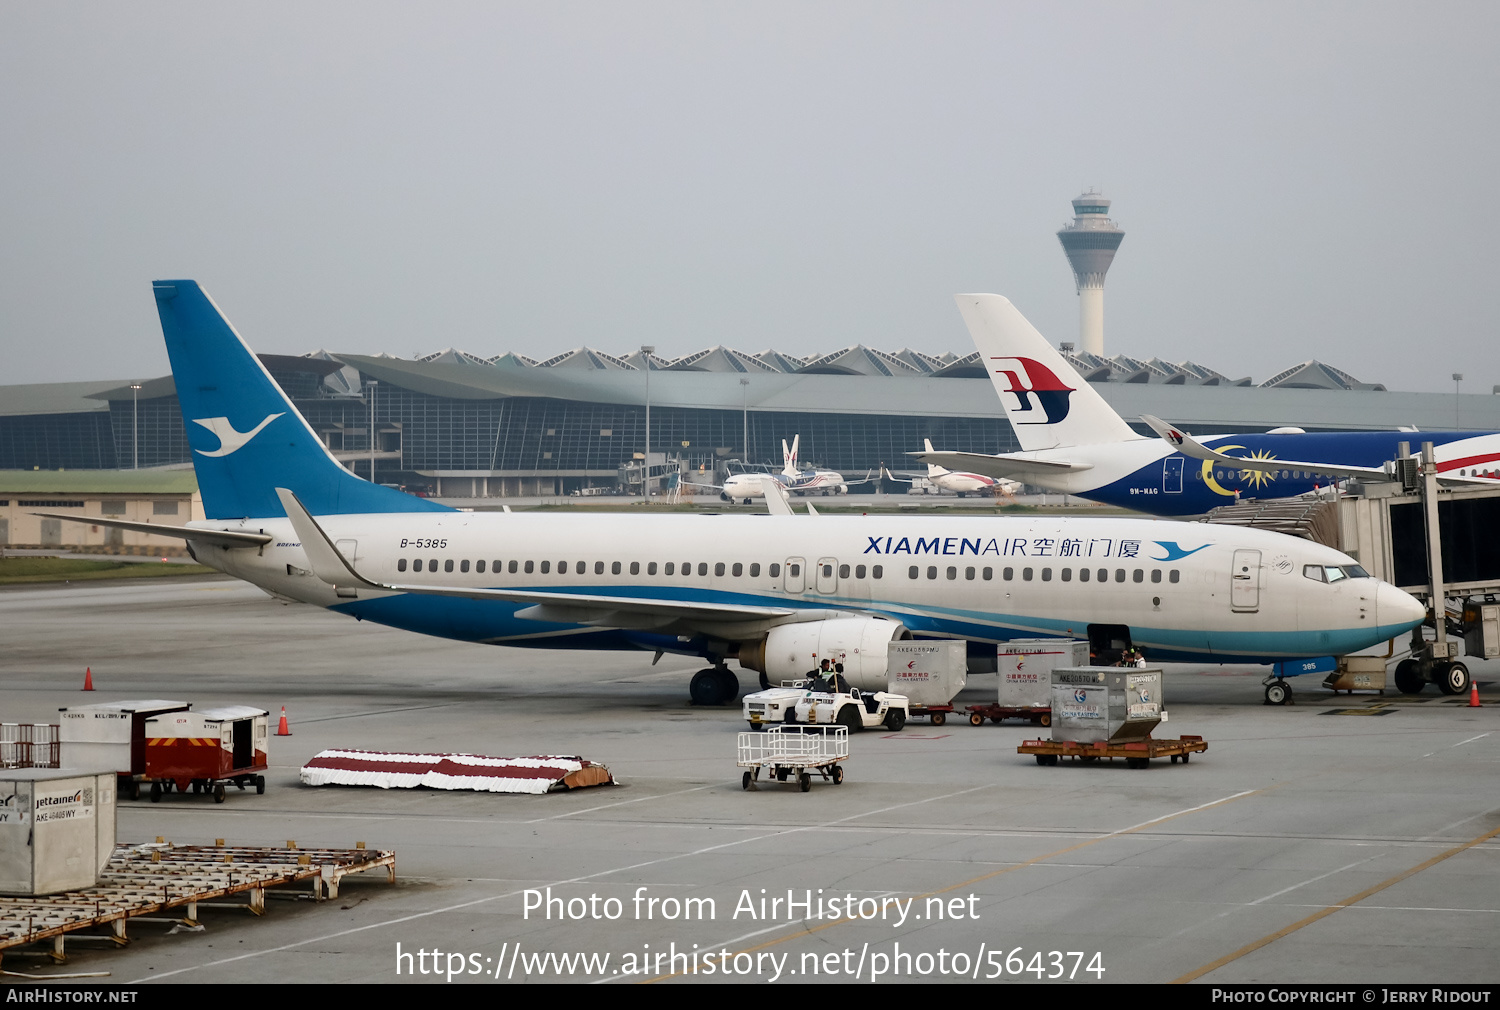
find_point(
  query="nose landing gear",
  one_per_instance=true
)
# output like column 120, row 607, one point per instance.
column 1278, row 691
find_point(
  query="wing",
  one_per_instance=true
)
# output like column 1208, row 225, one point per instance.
column 1190, row 446
column 219, row 538
column 330, row 565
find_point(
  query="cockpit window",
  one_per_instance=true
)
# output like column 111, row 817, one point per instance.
column 1334, row 573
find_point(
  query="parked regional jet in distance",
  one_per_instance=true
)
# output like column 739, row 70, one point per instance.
column 962, row 483
column 778, row 593
column 1073, row 442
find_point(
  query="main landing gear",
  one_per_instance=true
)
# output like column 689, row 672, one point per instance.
column 714, row 686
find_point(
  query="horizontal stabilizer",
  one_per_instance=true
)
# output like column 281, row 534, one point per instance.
column 218, row 538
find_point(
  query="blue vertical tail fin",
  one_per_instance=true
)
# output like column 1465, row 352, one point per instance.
column 246, row 437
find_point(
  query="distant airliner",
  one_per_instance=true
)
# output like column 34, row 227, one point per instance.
column 779, row 593
column 1073, row 442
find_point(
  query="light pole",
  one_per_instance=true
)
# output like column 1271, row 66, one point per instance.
column 646, row 351
column 745, row 416
column 135, row 425
column 373, row 384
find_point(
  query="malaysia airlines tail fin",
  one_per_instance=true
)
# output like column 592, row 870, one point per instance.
column 789, row 457
column 933, row 470
column 1047, row 401
column 246, row 437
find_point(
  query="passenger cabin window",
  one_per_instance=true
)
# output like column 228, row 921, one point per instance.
column 754, row 570
column 1156, row 575
column 878, row 571
column 651, row 568
column 530, row 567
column 774, row 570
column 1008, row 574
column 479, row 567
column 1138, row 576
column 911, row 572
column 463, row 566
column 401, row 564
column 598, row 567
column 635, row 568
column 546, row 567
column 989, row 574
column 932, row 571
column 614, row 568
column 844, row 572
column 952, row 573
column 737, row 570
column 670, row 568
column 1173, row 575
column 512, row 567
column 562, row 568
column 1067, row 575
column 448, row 565
column 703, row 568
column 719, row 568
column 1046, row 575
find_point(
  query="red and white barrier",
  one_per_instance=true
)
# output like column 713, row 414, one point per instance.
column 453, row 771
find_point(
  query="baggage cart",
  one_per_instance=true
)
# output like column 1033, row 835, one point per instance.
column 111, row 735
column 793, row 753
column 1136, row 753
column 207, row 750
column 1037, row 715
column 938, row 714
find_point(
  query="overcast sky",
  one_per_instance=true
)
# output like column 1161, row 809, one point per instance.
column 1295, row 180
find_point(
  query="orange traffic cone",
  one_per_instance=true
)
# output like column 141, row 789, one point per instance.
column 88, row 678
column 282, row 730
column 1474, row 695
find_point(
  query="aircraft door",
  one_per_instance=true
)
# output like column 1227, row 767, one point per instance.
column 1171, row 475
column 827, row 575
column 1244, row 582
column 794, row 578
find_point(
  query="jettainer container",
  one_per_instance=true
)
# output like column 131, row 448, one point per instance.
column 57, row 829
column 1110, row 704
column 928, row 673
column 1025, row 666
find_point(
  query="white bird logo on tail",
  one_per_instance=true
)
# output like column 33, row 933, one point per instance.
column 230, row 440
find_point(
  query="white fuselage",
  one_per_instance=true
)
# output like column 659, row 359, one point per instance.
column 1173, row 584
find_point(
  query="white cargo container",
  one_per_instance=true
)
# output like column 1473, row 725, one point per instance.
column 1025, row 667
column 57, row 829
column 928, row 673
column 109, row 735
column 1101, row 703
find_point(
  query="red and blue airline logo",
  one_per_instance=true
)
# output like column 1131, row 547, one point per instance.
column 1032, row 379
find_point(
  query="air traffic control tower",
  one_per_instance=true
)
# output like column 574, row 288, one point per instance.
column 1090, row 242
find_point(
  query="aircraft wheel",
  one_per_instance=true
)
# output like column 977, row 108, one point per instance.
column 706, row 687
column 1277, row 693
column 1453, row 678
column 849, row 716
column 1409, row 677
column 729, row 684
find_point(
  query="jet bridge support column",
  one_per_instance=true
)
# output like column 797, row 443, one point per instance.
column 1433, row 660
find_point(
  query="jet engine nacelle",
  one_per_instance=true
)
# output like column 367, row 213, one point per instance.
column 859, row 643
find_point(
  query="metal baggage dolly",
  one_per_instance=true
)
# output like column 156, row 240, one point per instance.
column 1137, row 753
column 938, row 714
column 1037, row 715
column 794, row 753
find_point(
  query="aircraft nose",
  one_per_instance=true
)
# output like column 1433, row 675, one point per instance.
column 1394, row 607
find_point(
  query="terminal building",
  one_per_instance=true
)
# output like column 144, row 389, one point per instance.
column 457, row 425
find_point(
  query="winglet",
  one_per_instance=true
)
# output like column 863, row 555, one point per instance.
column 776, row 497
column 327, row 562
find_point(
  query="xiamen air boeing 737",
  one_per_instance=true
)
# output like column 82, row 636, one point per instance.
column 1073, row 442
column 778, row 592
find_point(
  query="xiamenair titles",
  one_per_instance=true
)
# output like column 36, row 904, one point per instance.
column 1073, row 442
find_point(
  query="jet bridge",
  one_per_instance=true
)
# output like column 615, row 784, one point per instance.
column 1437, row 543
